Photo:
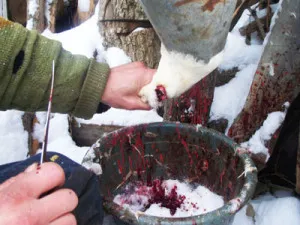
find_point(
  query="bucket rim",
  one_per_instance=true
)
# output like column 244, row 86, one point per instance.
column 226, row 211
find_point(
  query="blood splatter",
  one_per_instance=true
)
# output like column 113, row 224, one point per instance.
column 161, row 93
column 171, row 201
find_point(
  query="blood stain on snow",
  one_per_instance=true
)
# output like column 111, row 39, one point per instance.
column 168, row 198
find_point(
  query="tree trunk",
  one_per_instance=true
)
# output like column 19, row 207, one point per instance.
column 277, row 77
column 17, row 11
column 84, row 13
column 194, row 105
column 3, row 8
column 53, row 9
column 27, row 120
column 36, row 15
column 118, row 23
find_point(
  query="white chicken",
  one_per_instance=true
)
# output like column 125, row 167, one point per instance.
column 176, row 73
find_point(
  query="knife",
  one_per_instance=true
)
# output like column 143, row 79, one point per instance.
column 45, row 141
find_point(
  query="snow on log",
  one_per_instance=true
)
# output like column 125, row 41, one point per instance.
column 35, row 15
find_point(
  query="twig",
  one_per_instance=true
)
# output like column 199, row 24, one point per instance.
column 269, row 16
column 129, row 174
column 238, row 9
column 129, row 140
column 258, row 23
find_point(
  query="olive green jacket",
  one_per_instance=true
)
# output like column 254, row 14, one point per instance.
column 25, row 74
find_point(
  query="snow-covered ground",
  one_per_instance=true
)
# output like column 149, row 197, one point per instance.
column 228, row 102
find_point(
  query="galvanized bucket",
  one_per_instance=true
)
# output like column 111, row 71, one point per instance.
column 175, row 151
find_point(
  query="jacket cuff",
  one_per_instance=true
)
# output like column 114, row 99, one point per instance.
column 92, row 90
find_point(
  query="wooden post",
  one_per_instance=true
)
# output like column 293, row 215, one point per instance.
column 277, row 79
column 194, row 105
column 36, row 15
column 17, row 11
column 3, row 8
column 53, row 8
column 84, row 14
column 118, row 22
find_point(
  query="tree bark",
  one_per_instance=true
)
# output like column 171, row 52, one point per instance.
column 194, row 105
column 36, row 15
column 277, row 79
column 53, row 9
column 82, row 15
column 118, row 21
column 17, row 11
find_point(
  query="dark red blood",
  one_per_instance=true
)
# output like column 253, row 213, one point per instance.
column 171, row 201
column 120, row 167
column 205, row 165
column 161, row 93
column 156, row 192
column 149, row 179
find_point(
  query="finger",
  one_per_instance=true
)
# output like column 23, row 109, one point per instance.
column 38, row 180
column 55, row 205
column 136, row 103
column 11, row 180
column 68, row 219
column 8, row 182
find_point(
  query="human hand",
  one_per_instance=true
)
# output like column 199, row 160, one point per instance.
column 123, row 85
column 21, row 202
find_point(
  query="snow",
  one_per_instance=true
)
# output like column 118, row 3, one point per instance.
column 32, row 8
column 280, row 208
column 13, row 137
column 238, row 53
column 59, row 139
column 256, row 144
column 273, row 21
column 230, row 98
column 83, row 40
column 48, row 11
column 122, row 117
column 89, row 163
column 110, row 57
column 198, row 201
column 84, row 5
